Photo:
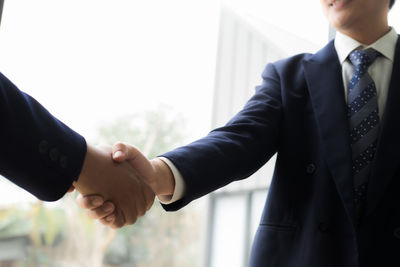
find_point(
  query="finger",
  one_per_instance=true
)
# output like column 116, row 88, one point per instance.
column 102, row 211
column 108, row 221
column 131, row 214
column 150, row 197
column 71, row 189
column 89, row 201
column 142, row 203
column 119, row 220
column 151, row 202
column 141, row 206
column 119, row 152
column 130, row 222
column 117, row 223
column 115, row 226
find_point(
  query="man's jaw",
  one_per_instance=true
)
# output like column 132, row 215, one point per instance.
column 336, row 3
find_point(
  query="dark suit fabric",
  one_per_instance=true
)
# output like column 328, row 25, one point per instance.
column 37, row 152
column 299, row 112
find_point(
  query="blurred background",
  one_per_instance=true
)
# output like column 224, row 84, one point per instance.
column 157, row 74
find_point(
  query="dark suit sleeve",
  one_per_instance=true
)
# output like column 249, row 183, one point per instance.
column 235, row 151
column 37, row 152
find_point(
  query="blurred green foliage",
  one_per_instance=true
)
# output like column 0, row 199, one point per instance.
column 63, row 235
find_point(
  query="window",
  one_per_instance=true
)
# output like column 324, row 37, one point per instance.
column 235, row 218
column 75, row 56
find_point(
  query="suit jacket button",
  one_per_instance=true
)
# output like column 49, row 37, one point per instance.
column 43, row 147
column 311, row 169
column 54, row 154
column 63, row 162
column 396, row 232
column 323, row 227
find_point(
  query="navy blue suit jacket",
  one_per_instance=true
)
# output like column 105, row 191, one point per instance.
column 299, row 112
column 37, row 152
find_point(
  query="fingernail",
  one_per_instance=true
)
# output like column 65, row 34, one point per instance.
column 117, row 154
column 110, row 218
column 108, row 207
column 97, row 201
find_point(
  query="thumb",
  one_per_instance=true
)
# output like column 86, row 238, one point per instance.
column 129, row 153
column 71, row 189
column 119, row 152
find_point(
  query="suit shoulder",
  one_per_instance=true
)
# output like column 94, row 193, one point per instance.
column 290, row 65
column 292, row 61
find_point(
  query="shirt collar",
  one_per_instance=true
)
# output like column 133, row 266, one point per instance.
column 386, row 45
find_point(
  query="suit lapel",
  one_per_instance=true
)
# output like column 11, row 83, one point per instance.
column 388, row 149
column 324, row 79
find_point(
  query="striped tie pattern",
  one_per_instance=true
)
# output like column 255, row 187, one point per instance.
column 363, row 119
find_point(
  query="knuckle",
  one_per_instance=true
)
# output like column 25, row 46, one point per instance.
column 114, row 226
column 117, row 224
column 104, row 222
column 150, row 204
column 84, row 202
column 131, row 221
column 88, row 204
column 119, row 144
column 96, row 213
column 142, row 212
column 108, row 208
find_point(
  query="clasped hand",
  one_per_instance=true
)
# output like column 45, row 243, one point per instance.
column 114, row 190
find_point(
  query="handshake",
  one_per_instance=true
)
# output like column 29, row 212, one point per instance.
column 119, row 184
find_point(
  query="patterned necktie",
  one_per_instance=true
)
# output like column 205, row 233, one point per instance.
column 363, row 119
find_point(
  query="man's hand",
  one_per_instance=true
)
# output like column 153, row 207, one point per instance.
column 126, row 196
column 154, row 172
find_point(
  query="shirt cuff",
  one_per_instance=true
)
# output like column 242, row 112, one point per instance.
column 180, row 186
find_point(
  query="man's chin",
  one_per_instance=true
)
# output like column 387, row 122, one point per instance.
column 340, row 20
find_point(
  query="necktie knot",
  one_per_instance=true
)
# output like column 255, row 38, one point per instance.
column 363, row 58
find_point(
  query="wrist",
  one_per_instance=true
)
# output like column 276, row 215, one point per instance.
column 164, row 182
column 87, row 167
column 92, row 170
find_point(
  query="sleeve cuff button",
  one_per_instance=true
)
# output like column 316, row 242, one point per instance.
column 54, row 154
column 43, row 147
column 63, row 162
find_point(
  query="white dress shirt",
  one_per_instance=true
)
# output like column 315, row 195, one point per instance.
column 179, row 190
column 380, row 71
